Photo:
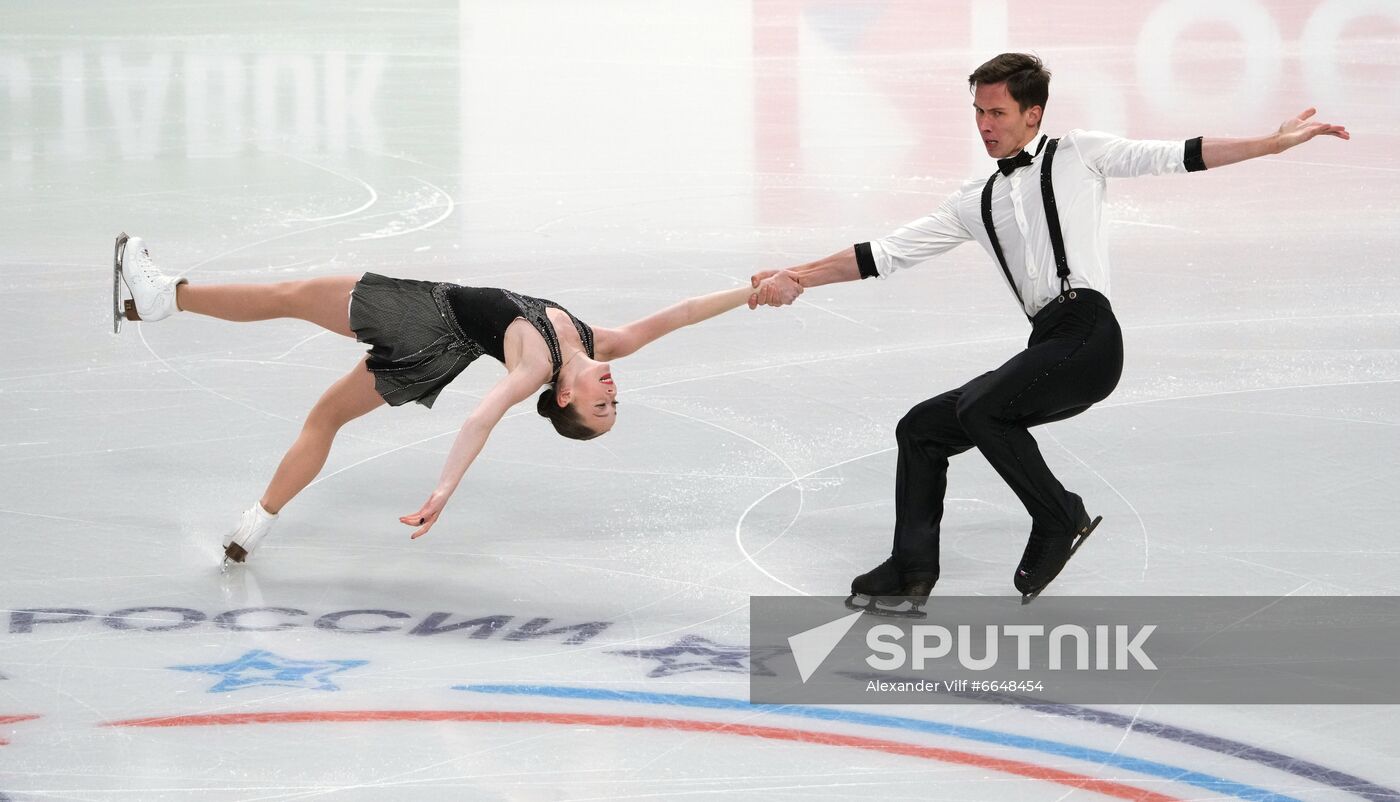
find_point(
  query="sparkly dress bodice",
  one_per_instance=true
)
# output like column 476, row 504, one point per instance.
column 479, row 317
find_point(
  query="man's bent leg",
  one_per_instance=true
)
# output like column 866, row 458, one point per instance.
column 1054, row 379
column 927, row 436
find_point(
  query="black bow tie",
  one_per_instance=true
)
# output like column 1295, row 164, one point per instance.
column 1008, row 166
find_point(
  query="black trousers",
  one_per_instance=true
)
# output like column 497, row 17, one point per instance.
column 1072, row 361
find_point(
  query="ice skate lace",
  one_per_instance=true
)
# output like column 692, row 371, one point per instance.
column 146, row 267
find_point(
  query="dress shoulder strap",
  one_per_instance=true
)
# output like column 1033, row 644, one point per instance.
column 533, row 310
column 585, row 332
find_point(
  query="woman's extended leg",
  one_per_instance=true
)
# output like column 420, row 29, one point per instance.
column 350, row 397
column 323, row 301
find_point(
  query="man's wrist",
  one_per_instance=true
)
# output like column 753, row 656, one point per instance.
column 865, row 261
column 1194, row 158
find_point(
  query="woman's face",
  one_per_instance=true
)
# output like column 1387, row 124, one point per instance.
column 595, row 396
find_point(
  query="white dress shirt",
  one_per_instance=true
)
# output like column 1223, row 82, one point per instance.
column 1083, row 163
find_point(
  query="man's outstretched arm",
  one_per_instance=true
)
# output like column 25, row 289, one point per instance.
column 909, row 245
column 781, row 287
column 1218, row 152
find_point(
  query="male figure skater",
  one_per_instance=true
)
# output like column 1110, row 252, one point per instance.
column 1038, row 216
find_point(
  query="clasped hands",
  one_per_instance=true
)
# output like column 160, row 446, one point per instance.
column 774, row 288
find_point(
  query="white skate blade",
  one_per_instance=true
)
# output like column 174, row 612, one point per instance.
column 118, row 283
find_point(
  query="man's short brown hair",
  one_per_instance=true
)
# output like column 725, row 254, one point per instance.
column 1025, row 77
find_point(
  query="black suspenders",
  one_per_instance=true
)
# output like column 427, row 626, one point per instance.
column 992, row 234
column 1052, row 219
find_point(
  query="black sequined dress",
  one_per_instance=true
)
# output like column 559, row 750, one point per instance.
column 422, row 334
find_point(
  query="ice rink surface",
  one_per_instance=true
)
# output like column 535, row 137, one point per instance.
column 576, row 627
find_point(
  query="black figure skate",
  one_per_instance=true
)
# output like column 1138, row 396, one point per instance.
column 1046, row 554
column 887, row 591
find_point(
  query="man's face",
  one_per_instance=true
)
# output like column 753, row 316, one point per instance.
column 1004, row 128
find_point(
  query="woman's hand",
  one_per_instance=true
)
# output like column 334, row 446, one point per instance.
column 774, row 288
column 426, row 516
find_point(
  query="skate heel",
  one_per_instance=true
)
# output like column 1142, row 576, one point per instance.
column 252, row 528
column 235, row 553
column 1083, row 534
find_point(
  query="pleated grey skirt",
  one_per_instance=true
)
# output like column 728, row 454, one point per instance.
column 415, row 350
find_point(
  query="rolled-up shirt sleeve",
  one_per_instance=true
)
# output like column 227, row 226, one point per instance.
column 916, row 242
column 1115, row 157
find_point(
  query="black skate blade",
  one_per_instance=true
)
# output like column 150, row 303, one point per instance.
column 119, row 252
column 873, row 606
column 1083, row 536
column 1027, row 598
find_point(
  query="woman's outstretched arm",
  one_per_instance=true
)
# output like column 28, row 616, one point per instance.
column 509, row 391
column 620, row 342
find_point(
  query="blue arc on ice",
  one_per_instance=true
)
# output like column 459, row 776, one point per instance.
column 1218, row 785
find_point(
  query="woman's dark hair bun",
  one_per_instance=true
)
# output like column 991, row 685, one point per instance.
column 566, row 419
column 545, row 402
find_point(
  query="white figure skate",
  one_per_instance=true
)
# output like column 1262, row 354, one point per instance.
column 139, row 290
column 251, row 530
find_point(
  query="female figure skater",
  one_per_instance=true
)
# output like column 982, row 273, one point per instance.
column 421, row 335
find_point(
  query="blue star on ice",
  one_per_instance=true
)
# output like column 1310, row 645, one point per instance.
column 260, row 668
column 694, row 653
